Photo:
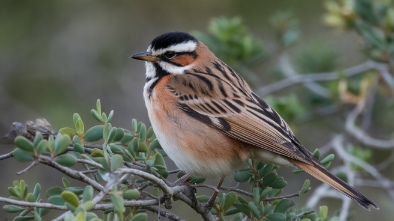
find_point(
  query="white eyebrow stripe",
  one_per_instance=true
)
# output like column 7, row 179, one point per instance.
column 182, row 47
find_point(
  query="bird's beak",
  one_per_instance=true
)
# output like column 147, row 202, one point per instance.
column 145, row 56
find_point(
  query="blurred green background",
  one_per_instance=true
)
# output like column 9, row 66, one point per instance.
column 58, row 57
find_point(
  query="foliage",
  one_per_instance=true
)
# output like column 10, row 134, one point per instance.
column 134, row 148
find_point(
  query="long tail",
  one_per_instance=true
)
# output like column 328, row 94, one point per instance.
column 326, row 176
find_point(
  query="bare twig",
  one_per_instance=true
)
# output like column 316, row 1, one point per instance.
column 329, row 76
column 27, row 168
column 361, row 135
column 6, row 156
column 70, row 172
column 283, row 197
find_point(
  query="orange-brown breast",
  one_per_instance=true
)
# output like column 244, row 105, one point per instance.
column 192, row 145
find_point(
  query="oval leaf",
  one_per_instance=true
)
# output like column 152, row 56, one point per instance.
column 22, row 156
column 24, row 144
column 66, row 160
column 70, row 198
column 131, row 194
column 94, row 133
column 61, row 143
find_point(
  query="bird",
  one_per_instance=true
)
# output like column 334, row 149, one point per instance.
column 209, row 121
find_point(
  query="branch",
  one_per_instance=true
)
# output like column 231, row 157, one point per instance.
column 361, row 135
column 329, row 76
column 32, row 204
column 70, row 172
column 6, row 156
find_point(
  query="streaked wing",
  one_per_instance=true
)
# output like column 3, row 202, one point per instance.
column 228, row 104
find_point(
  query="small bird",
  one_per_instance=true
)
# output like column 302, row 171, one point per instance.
column 209, row 121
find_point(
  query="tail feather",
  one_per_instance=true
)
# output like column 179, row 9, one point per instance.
column 326, row 176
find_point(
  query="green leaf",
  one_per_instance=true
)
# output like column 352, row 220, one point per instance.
column 119, row 134
column 97, row 153
column 126, row 138
column 81, row 216
column 61, row 143
column 276, row 217
column 278, row 183
column 139, row 217
column 196, row 180
column 133, row 146
column 231, row 197
column 116, row 162
column 142, row 133
column 88, row 205
column 316, row 154
column 30, row 198
column 36, row 192
column 111, row 135
column 78, row 148
column 242, row 176
column 134, row 124
column 51, row 143
column 150, row 135
column 71, row 132
column 131, row 194
column 118, row 203
column 256, row 196
column 37, row 138
column 56, row 200
column 70, row 217
column 142, row 147
column 323, row 211
column 283, row 206
column 106, row 130
column 265, row 192
column 41, row 147
column 98, row 106
column 79, row 126
column 327, row 159
column 87, row 194
column 22, row 156
column 266, row 169
column 12, row 209
column 94, row 133
column 76, row 190
column 269, row 179
column 154, row 145
column 70, row 198
column 160, row 164
column 23, row 187
column 75, row 118
column 306, row 187
column 110, row 115
column 66, row 160
column 54, row 191
column 96, row 115
column 13, row 192
column 232, row 211
column 65, row 182
column 254, row 210
column 23, row 218
column 24, row 144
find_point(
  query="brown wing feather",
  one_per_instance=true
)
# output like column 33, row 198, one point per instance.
column 224, row 106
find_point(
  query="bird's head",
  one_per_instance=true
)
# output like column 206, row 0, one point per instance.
column 172, row 53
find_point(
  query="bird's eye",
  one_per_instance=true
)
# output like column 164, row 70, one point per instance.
column 169, row 54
